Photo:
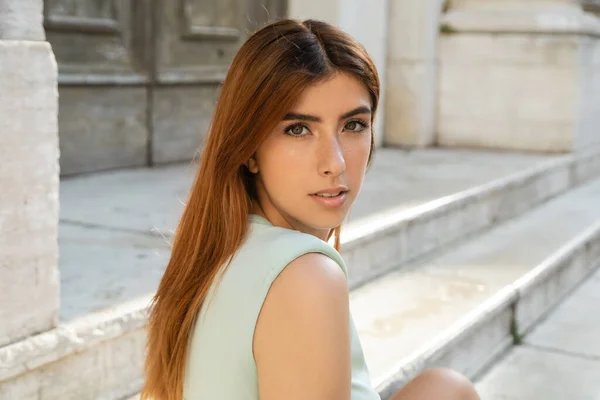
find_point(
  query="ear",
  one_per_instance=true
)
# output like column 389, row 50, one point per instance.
column 252, row 165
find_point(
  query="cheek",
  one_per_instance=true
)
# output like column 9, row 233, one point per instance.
column 281, row 164
column 357, row 157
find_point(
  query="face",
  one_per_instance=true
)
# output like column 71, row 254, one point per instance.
column 311, row 167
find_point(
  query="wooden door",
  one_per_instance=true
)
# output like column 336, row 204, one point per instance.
column 138, row 79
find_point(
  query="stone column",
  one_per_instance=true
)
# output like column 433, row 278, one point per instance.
column 520, row 75
column 29, row 283
column 367, row 23
column 412, row 72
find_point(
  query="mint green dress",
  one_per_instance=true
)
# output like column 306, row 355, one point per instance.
column 220, row 362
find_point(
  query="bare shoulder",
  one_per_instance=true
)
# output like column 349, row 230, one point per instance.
column 317, row 269
column 302, row 333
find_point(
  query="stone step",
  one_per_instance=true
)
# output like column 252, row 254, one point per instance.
column 466, row 306
column 383, row 241
column 99, row 353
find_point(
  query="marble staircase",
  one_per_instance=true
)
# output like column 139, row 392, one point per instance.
column 453, row 256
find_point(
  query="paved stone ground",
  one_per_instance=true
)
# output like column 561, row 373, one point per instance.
column 115, row 227
column 559, row 360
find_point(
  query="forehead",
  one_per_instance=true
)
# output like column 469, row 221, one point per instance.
column 335, row 95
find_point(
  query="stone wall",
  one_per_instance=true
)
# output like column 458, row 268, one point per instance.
column 29, row 172
column 519, row 76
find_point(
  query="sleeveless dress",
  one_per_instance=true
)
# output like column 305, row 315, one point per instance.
column 220, row 363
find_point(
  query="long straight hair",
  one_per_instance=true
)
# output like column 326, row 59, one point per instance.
column 263, row 83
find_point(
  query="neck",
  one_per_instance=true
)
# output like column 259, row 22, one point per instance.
column 276, row 218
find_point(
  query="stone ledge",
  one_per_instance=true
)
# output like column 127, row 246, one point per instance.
column 511, row 22
column 546, row 285
column 71, row 338
column 111, row 370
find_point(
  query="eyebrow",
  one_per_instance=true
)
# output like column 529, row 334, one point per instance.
column 306, row 117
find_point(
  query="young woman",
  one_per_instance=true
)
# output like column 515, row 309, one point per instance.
column 254, row 301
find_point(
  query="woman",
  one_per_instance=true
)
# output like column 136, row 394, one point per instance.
column 254, row 301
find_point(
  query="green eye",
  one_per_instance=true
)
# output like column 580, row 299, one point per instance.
column 356, row 126
column 296, row 130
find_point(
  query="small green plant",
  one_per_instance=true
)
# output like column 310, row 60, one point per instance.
column 447, row 29
column 514, row 331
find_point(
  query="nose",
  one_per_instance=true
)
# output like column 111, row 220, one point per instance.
column 331, row 157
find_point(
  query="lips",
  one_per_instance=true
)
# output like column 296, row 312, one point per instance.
column 328, row 194
column 331, row 192
column 331, row 198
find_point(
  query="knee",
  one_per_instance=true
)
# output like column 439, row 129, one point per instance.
column 453, row 384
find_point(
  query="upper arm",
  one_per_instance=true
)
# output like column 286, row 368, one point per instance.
column 302, row 341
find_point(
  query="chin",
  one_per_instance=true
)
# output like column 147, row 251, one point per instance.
column 328, row 220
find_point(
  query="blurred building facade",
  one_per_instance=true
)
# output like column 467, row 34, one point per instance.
column 138, row 80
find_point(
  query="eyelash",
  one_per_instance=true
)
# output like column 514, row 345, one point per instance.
column 363, row 124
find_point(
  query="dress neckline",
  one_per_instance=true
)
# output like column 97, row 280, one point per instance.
column 259, row 219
